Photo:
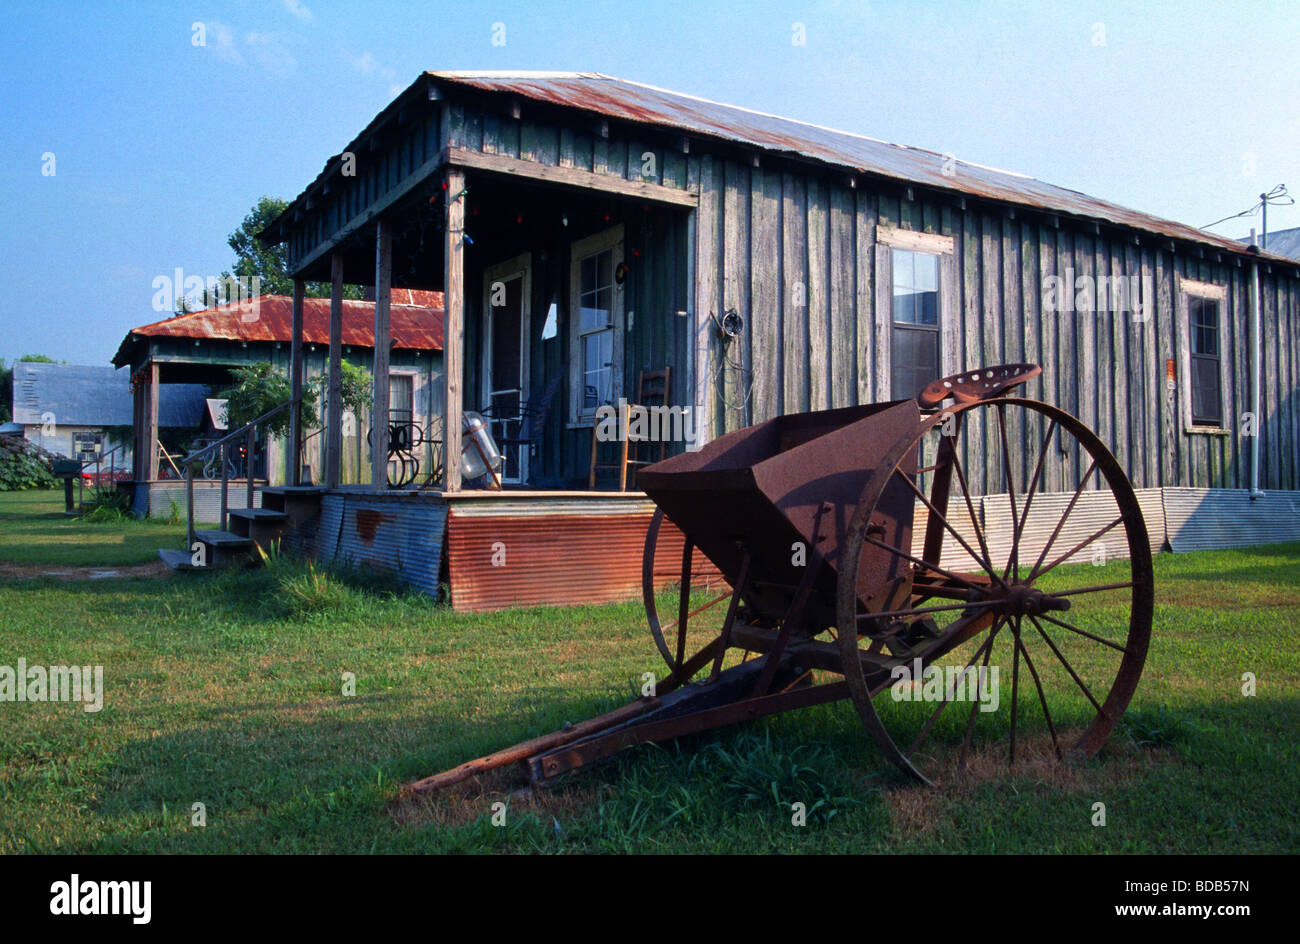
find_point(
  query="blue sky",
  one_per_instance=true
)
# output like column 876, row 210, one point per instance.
column 1185, row 110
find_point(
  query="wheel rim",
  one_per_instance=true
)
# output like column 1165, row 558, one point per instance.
column 997, row 593
column 671, row 639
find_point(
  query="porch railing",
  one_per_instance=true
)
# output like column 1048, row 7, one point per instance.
column 98, row 484
column 221, row 447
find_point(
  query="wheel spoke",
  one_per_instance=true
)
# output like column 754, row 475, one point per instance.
column 1015, row 686
column 1074, row 675
column 1095, row 589
column 960, row 540
column 1074, row 550
column 1013, row 556
column 1074, row 629
column 921, row 563
column 974, row 705
column 1060, row 524
column 970, row 508
column 1042, row 696
column 925, row 609
column 1019, row 529
column 944, row 704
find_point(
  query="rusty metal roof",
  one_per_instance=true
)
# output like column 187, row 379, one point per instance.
column 631, row 101
column 416, row 322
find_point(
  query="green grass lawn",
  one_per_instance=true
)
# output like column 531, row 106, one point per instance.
column 34, row 531
column 225, row 689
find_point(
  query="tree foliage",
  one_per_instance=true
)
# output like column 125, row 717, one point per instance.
column 253, row 258
column 260, row 387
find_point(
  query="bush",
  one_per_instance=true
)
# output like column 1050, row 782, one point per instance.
column 24, row 465
column 107, row 506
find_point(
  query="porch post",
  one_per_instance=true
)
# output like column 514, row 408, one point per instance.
column 295, row 384
column 137, row 428
column 151, row 444
column 334, row 407
column 453, row 327
column 383, row 339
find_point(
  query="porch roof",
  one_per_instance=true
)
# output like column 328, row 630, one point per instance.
column 416, row 317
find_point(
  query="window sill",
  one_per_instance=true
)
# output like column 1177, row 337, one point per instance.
column 1206, row 431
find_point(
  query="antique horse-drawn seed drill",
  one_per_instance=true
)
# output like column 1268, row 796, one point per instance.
column 852, row 545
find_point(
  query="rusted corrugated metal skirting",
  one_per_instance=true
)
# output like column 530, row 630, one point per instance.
column 499, row 561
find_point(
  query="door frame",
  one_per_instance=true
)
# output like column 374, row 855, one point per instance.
column 521, row 267
column 611, row 239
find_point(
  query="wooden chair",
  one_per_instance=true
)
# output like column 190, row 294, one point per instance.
column 653, row 388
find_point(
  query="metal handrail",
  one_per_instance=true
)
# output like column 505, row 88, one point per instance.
column 194, row 456
column 249, row 432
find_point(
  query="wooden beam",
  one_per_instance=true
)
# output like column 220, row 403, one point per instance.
column 295, row 386
column 368, row 215
column 334, row 405
column 383, row 342
column 453, row 327
column 569, row 176
column 152, row 456
column 138, row 447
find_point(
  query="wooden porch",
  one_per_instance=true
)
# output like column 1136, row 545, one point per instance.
column 485, row 550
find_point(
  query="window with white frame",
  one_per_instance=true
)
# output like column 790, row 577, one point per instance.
column 915, row 273
column 1201, row 316
column 596, row 325
column 914, row 335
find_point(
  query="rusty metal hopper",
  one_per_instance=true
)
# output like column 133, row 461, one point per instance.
column 793, row 479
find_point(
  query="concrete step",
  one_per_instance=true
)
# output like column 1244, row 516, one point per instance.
column 223, row 547
column 177, row 560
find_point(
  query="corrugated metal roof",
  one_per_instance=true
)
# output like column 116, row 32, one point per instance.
column 617, row 98
column 88, row 395
column 1285, row 242
column 270, row 318
column 633, row 101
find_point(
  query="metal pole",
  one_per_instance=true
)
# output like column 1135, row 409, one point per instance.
column 222, row 457
column 248, row 465
column 1256, row 396
column 1263, row 199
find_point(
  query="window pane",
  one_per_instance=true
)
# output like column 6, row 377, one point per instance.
column 914, row 361
column 597, row 353
column 1205, row 391
column 588, row 279
column 904, row 269
column 1203, row 313
column 927, row 272
column 916, row 288
column 604, row 267
column 595, row 310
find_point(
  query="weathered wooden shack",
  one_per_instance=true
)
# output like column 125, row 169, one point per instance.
column 587, row 229
column 200, row 349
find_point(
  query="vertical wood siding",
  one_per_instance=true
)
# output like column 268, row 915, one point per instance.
column 795, row 254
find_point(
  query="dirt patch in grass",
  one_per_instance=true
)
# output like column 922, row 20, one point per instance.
column 916, row 808
column 465, row 802
column 32, row 571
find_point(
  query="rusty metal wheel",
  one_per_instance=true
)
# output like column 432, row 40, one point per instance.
column 674, row 655
column 966, row 561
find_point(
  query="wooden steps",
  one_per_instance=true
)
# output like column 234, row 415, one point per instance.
column 285, row 510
